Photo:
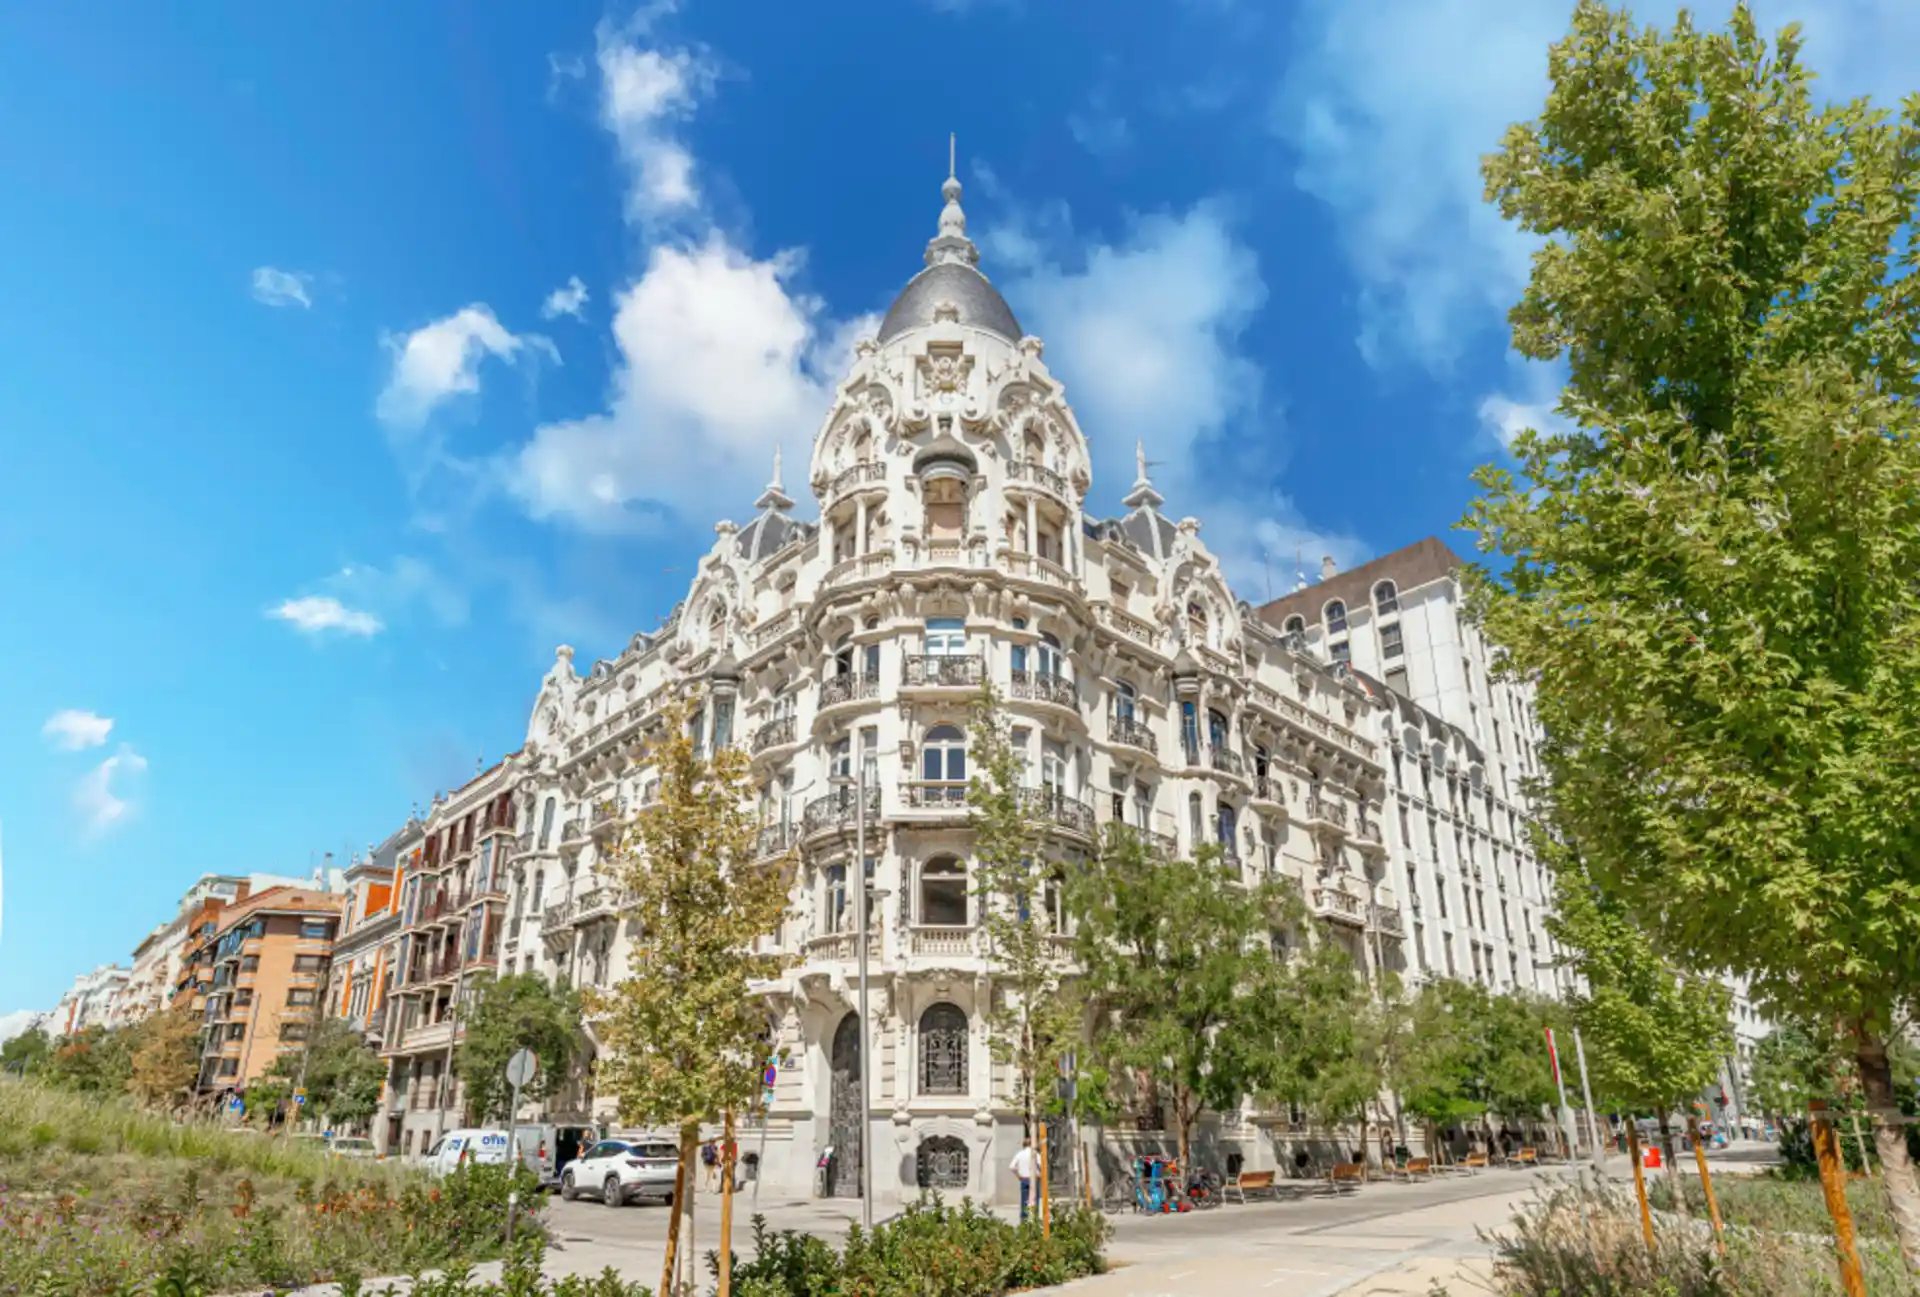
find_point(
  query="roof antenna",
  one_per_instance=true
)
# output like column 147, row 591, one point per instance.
column 951, row 146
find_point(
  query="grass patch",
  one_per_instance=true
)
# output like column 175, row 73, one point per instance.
column 1586, row 1242
column 99, row 1198
column 1779, row 1206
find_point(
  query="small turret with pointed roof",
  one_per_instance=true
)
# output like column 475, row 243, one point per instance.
column 1142, row 496
column 951, row 244
column 775, row 497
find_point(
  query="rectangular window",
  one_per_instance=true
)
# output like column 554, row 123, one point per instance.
column 1341, row 652
column 293, row 1031
column 1190, row 729
column 1397, row 680
column 309, row 963
column 315, row 929
column 229, row 1067
column 722, row 723
column 836, row 899
column 249, row 962
column 300, row 995
column 1390, row 646
column 945, row 637
column 1142, row 807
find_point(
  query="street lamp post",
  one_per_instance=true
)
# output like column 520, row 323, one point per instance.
column 859, row 783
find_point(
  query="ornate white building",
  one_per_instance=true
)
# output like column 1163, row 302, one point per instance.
column 956, row 543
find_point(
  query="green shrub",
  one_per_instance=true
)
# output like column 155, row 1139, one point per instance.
column 1782, row 1205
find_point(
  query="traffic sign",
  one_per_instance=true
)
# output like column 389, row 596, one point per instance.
column 300, row 1099
column 522, row 1068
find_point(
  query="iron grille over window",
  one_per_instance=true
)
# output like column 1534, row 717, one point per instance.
column 941, row 1163
column 943, row 1052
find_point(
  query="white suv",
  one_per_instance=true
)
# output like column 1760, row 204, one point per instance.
column 617, row 1171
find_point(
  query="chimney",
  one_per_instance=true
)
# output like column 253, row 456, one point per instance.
column 1327, row 568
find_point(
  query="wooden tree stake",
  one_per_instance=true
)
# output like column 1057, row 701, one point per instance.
column 727, row 1154
column 1706, row 1183
column 1640, row 1184
column 1833, row 1183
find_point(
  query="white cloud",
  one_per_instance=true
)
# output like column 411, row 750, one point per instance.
column 1145, row 333
column 719, row 360
column 1391, row 104
column 1099, row 130
column 317, row 614
column 407, row 581
column 645, row 94
column 568, row 299
column 720, row 355
column 101, row 807
column 1528, row 401
column 71, row 730
column 273, row 287
column 441, row 360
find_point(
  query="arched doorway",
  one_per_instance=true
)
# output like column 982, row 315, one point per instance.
column 844, row 1109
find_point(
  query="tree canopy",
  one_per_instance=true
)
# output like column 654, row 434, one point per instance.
column 509, row 1013
column 343, row 1073
column 1707, row 565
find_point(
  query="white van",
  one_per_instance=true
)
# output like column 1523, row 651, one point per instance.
column 472, row 1147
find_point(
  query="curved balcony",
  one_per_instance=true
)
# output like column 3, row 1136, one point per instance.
column 867, row 473
column 841, row 690
column 1267, row 789
column 572, row 831
column 1323, row 813
column 1123, row 623
column 1132, row 733
column 1337, row 905
column 835, row 947
column 1040, row 571
column 775, row 840
column 780, row 732
column 1056, row 809
column 943, row 671
column 1368, row 836
column 1387, row 921
column 838, row 811
column 861, row 567
column 924, row 942
column 1044, row 687
column 940, row 795
column 1026, row 474
column 608, row 817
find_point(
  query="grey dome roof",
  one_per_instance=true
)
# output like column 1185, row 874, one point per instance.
column 980, row 303
column 767, row 535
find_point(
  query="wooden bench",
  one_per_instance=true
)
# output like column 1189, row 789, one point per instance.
column 1249, row 1182
column 1527, row 1157
column 1414, row 1168
column 1475, row 1162
column 1346, row 1177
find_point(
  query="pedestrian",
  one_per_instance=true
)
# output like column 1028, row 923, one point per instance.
column 1024, row 1166
column 710, row 1159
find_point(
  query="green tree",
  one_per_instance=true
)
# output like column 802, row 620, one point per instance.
column 1175, row 956
column 341, row 1072
column 1655, row 1033
column 1036, row 1014
column 94, row 1061
column 1793, row 1065
column 1434, row 1074
column 685, row 1033
column 510, row 1013
column 27, row 1051
column 163, row 1060
column 1316, row 1025
column 1708, row 569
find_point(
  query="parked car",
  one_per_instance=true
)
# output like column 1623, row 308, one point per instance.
column 619, row 1171
column 358, row 1147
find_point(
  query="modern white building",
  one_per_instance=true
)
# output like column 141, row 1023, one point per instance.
column 92, row 1001
column 1462, row 744
column 959, row 540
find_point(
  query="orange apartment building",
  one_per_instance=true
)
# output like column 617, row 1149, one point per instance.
column 268, row 962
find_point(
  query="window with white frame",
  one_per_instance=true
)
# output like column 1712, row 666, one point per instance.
column 1386, row 598
column 943, row 893
column 943, row 755
column 944, row 637
column 1334, row 617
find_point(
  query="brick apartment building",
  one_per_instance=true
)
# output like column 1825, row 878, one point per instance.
column 266, row 967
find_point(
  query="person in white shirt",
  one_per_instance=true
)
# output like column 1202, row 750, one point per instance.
column 1026, row 1166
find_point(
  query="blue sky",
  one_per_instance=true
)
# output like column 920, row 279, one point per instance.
column 355, row 356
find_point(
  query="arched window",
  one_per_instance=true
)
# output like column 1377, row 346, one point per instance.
column 1196, row 622
column 943, row 1050
column 546, row 824
column 943, row 893
column 943, row 755
column 1052, row 659
column 1125, row 701
column 717, row 624
column 941, row 1163
column 1386, row 598
column 1335, row 616
column 1296, row 625
column 1219, row 732
column 863, row 444
column 1226, row 822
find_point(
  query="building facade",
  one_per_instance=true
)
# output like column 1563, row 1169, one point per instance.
column 267, row 967
column 93, row 1000
column 368, row 945
column 957, row 544
column 451, row 894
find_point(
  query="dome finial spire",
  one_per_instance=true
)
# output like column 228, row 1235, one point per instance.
column 775, row 496
column 1142, row 495
column 951, row 244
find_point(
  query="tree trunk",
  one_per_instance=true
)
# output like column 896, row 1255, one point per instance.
column 689, row 1146
column 727, row 1159
column 1672, row 1166
column 1890, row 1140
